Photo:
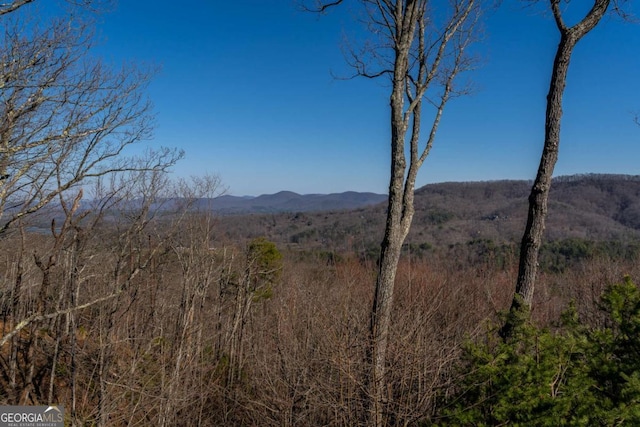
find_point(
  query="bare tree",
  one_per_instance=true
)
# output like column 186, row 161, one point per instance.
column 538, row 198
column 200, row 268
column 65, row 118
column 422, row 50
column 66, row 121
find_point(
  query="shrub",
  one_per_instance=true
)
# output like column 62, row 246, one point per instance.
column 574, row 376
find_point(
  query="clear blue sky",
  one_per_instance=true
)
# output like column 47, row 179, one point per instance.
column 245, row 88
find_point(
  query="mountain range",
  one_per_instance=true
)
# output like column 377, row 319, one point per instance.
column 591, row 207
column 287, row 201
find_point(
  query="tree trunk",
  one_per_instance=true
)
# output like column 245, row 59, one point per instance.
column 539, row 196
column 380, row 321
column 424, row 57
column 399, row 216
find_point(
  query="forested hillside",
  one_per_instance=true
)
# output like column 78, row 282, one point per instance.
column 138, row 314
column 589, row 207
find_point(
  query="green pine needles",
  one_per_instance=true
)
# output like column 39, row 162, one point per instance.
column 575, row 376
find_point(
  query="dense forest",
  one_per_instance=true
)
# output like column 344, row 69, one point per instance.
column 133, row 297
column 138, row 313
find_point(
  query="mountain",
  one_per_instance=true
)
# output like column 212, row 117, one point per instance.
column 592, row 207
column 597, row 207
column 589, row 207
column 287, row 201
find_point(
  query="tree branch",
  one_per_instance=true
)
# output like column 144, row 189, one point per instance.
column 39, row 317
column 6, row 8
column 321, row 7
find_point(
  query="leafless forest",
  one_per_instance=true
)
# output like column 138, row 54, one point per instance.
column 127, row 299
column 137, row 310
column 135, row 313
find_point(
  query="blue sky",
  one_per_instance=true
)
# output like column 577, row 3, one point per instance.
column 245, row 88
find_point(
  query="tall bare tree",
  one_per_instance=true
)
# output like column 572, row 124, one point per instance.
column 65, row 117
column 538, row 198
column 66, row 120
column 421, row 49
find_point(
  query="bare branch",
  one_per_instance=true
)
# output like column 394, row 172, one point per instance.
column 320, row 6
column 6, row 8
column 40, row 317
column 90, row 5
column 64, row 120
column 557, row 15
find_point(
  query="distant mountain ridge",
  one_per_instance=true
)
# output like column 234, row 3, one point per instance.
column 597, row 207
column 288, row 201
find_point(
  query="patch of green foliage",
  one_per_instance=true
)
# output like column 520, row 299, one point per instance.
column 574, row 376
column 559, row 255
column 264, row 262
column 437, row 216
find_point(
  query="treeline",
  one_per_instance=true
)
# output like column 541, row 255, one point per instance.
column 599, row 177
column 555, row 256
